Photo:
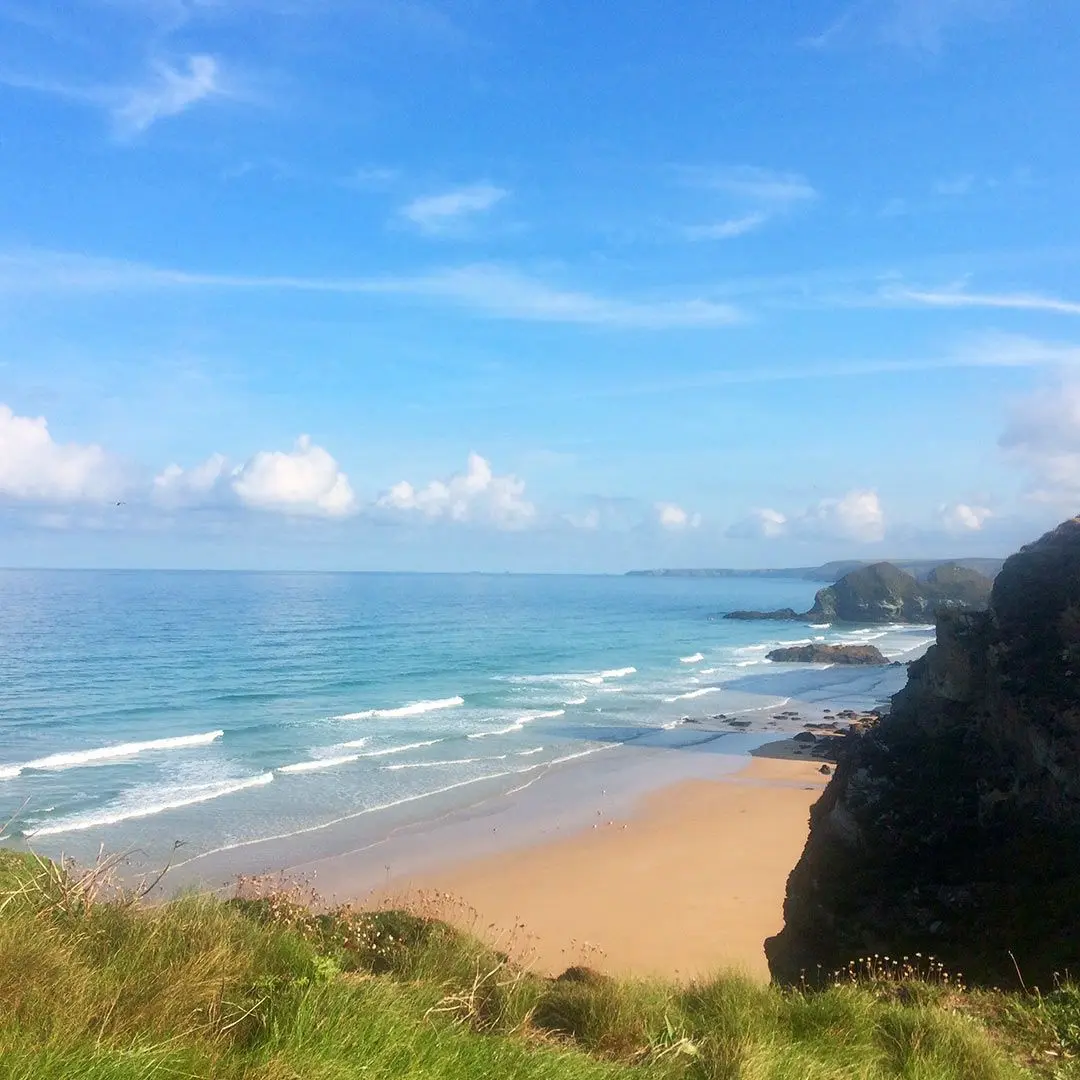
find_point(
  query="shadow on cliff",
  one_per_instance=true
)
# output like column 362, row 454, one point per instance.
column 953, row 827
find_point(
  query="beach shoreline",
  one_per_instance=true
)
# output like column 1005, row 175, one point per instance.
column 369, row 853
column 687, row 884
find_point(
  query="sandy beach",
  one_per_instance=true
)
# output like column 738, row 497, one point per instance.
column 689, row 883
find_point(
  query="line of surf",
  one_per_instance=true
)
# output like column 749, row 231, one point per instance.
column 74, row 759
column 114, row 817
column 416, row 708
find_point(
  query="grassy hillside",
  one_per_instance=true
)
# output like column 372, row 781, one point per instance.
column 97, row 986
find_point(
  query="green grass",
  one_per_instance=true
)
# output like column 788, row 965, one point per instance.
column 267, row 989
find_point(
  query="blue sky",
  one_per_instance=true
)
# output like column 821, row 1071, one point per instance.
column 466, row 284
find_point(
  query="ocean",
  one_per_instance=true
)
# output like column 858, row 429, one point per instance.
column 141, row 709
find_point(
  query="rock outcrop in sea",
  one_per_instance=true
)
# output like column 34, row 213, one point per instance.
column 883, row 593
column 828, row 654
column 952, row 827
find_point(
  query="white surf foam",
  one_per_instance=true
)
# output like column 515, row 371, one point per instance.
column 529, row 753
column 819, row 625
column 576, row 701
column 73, row 759
column 498, row 731
column 141, row 810
column 436, row 764
column 355, row 744
column 592, row 678
column 417, row 708
column 401, row 749
column 319, row 763
column 691, row 694
column 518, row 724
column 695, row 659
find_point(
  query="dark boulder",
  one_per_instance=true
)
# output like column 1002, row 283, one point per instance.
column 828, row 654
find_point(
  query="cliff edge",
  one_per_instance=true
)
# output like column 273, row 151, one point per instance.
column 953, row 826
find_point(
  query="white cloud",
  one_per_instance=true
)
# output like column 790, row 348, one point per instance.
column 445, row 212
column 175, row 486
column 960, row 518
column 955, row 186
column 763, row 524
column 474, row 495
column 760, row 194
column 675, row 518
column 33, row 466
column 753, row 183
column 918, row 25
column 728, row 229
column 170, row 92
column 491, row 290
column 305, row 480
column 957, row 298
column 858, row 515
column 1043, row 438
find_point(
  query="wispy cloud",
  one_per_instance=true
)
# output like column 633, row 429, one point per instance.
column 916, row 25
column 752, row 182
column 168, row 91
column 754, row 196
column 491, row 290
column 956, row 298
column 446, row 212
column 728, row 229
column 955, row 186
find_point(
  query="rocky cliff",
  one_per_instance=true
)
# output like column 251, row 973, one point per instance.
column 953, row 826
column 883, row 593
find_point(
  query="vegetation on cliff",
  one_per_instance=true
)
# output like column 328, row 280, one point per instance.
column 266, row 989
column 883, row 593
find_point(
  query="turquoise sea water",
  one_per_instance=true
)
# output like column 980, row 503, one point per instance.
column 140, row 708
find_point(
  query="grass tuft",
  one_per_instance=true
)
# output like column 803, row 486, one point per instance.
column 274, row 985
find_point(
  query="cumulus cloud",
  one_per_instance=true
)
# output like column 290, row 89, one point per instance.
column 1043, row 438
column 858, row 515
column 960, row 518
column 446, row 212
column 762, row 524
column 675, row 518
column 474, row 495
column 304, row 481
column 175, row 486
column 34, row 466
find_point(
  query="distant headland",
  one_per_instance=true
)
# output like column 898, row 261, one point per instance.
column 832, row 571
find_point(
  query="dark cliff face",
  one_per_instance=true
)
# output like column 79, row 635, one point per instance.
column 953, row 827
